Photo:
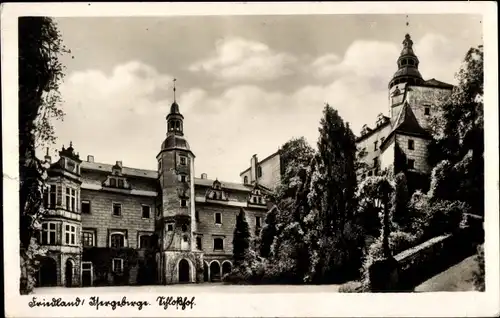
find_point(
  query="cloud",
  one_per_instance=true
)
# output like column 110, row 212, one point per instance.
column 240, row 59
column 121, row 115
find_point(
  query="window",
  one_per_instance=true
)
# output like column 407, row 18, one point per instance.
column 73, row 200
column 120, row 183
column 198, row 243
column 375, row 162
column 257, row 221
column 185, row 238
column 183, row 203
column 183, row 161
column 427, row 111
column 182, row 178
column 260, row 200
column 52, row 196
column 112, row 182
column 184, row 228
column 48, row 233
column 411, row 144
column 68, row 200
column 117, row 209
column 117, row 240
column 245, row 180
column 375, row 145
column 218, row 244
column 144, row 241
column 170, row 227
column 411, row 164
column 117, row 265
column 86, row 207
column 218, row 218
column 158, row 211
column 259, row 172
column 254, row 200
column 145, row 211
column 197, row 215
column 88, row 238
column 70, row 234
column 159, row 165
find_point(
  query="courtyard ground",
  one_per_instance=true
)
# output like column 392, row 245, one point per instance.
column 193, row 288
column 456, row 278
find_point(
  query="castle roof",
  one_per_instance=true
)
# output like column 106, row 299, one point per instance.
column 406, row 123
column 175, row 142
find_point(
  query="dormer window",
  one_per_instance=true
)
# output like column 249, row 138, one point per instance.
column 427, row 111
column 120, row 183
column 259, row 172
column 112, row 182
column 245, row 180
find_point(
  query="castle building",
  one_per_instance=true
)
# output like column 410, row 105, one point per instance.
column 115, row 225
column 112, row 224
column 398, row 142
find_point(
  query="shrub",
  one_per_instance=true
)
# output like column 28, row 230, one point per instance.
column 351, row 287
column 398, row 242
column 444, row 217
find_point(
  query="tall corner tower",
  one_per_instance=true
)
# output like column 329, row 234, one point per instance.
column 407, row 74
column 176, row 215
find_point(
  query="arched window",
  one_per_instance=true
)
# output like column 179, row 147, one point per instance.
column 245, row 180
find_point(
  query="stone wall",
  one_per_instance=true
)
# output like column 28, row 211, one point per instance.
column 420, row 97
column 101, row 218
column 419, row 153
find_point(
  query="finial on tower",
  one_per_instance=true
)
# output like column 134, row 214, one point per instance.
column 71, row 144
column 175, row 80
column 407, row 41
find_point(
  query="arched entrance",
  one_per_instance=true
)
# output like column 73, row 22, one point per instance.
column 47, row 275
column 226, row 268
column 184, row 269
column 205, row 271
column 214, row 271
column 68, row 273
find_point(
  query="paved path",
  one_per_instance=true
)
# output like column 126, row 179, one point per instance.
column 194, row 288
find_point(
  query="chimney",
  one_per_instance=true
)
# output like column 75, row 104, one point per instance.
column 204, row 176
column 119, row 164
column 253, row 169
column 47, row 158
column 90, row 158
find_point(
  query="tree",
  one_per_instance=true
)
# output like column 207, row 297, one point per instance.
column 40, row 73
column 241, row 239
column 268, row 233
column 458, row 131
column 334, row 181
column 332, row 198
column 295, row 156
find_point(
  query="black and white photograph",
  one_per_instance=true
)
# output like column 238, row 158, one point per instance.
column 162, row 159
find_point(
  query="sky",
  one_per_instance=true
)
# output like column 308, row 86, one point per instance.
column 245, row 84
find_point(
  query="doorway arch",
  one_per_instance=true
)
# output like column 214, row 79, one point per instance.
column 68, row 273
column 214, row 271
column 226, row 267
column 47, row 274
column 184, row 271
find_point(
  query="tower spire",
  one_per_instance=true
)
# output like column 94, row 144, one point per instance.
column 175, row 80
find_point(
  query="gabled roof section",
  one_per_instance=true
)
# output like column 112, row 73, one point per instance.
column 407, row 122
